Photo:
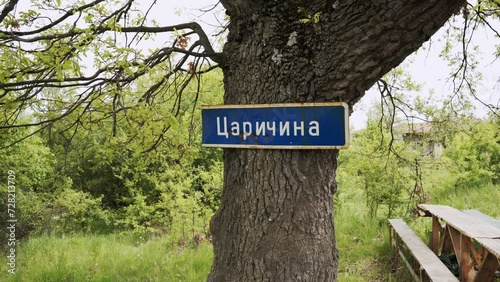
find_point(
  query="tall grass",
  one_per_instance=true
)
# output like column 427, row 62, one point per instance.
column 440, row 185
column 444, row 192
column 363, row 243
column 117, row 257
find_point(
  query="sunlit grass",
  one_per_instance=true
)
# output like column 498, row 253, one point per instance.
column 363, row 242
column 109, row 258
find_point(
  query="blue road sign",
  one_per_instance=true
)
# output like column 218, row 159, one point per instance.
column 276, row 126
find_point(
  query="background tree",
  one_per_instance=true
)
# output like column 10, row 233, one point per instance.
column 474, row 154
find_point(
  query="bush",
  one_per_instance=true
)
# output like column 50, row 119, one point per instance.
column 474, row 156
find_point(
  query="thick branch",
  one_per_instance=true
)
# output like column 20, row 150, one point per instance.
column 241, row 8
column 68, row 14
column 195, row 27
column 150, row 62
column 350, row 46
column 399, row 30
column 7, row 9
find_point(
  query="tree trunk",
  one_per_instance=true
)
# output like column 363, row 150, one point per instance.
column 275, row 221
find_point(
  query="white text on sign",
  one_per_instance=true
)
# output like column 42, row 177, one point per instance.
column 246, row 129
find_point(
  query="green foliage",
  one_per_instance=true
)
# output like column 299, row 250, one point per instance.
column 87, row 174
column 45, row 202
column 474, row 155
column 308, row 18
column 207, row 181
column 31, row 211
column 383, row 167
column 34, row 181
column 31, row 161
column 78, row 211
column 121, row 152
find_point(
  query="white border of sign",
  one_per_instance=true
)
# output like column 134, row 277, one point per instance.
column 248, row 146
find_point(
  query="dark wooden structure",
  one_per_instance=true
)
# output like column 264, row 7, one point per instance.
column 423, row 264
column 472, row 236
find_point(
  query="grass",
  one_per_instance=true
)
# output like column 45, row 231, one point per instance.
column 363, row 243
column 117, row 257
column 365, row 254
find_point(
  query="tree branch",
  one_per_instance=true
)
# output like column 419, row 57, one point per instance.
column 195, row 27
column 7, row 9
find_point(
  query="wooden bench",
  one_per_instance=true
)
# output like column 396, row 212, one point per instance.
column 426, row 265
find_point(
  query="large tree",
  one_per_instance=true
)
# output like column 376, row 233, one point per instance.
column 275, row 221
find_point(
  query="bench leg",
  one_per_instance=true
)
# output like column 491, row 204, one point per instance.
column 486, row 272
column 437, row 232
column 460, row 245
column 400, row 256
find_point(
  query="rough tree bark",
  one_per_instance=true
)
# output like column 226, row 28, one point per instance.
column 275, row 221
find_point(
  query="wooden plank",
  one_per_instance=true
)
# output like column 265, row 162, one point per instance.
column 492, row 245
column 465, row 223
column 434, row 268
column 486, row 218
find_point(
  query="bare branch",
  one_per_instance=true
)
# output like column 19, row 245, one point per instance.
column 195, row 27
